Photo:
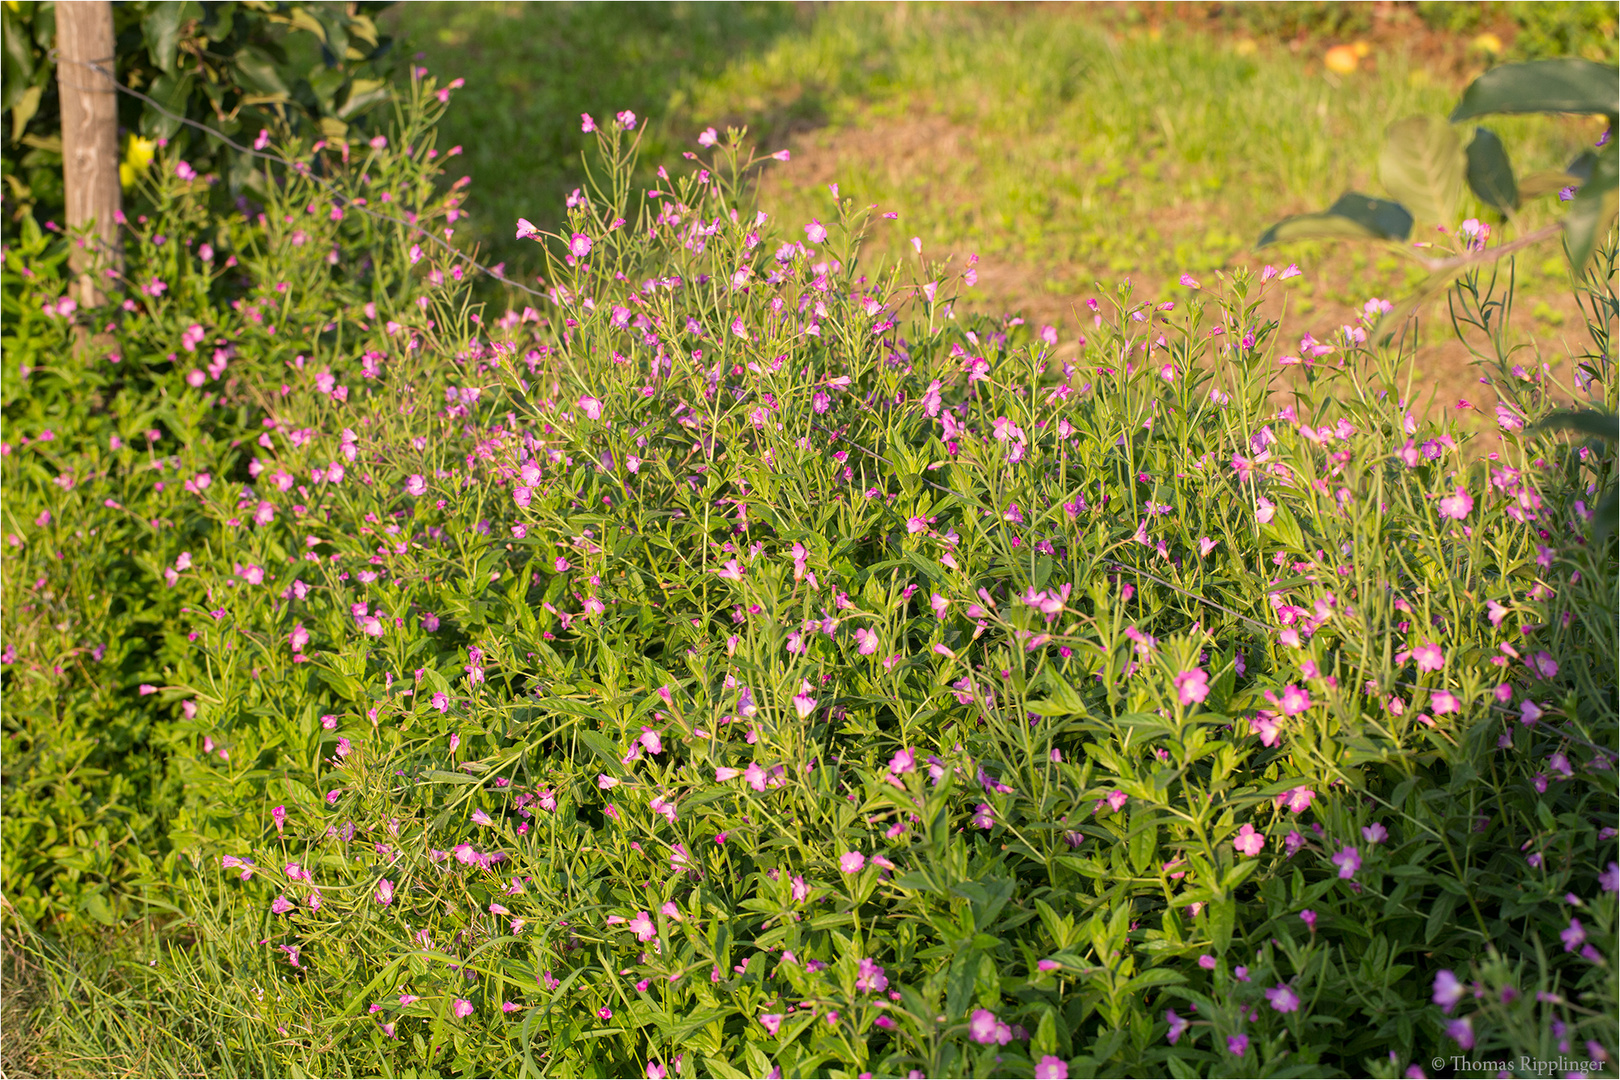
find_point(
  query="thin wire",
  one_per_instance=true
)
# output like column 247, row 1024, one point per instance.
column 298, row 167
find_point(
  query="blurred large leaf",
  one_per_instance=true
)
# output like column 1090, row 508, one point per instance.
column 1591, row 213
column 1545, row 182
column 161, row 29
column 1354, row 216
column 1432, row 286
column 256, row 72
column 16, row 59
column 1422, row 166
column 1599, row 425
column 363, row 93
column 171, row 92
column 1565, row 85
column 1490, row 174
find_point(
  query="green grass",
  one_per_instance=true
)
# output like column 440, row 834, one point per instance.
column 1066, row 145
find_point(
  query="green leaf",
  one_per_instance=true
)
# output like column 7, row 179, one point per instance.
column 1599, row 425
column 16, row 59
column 1559, row 86
column 161, row 29
column 1422, row 166
column 256, row 72
column 172, row 92
column 1590, row 214
column 363, row 93
column 1547, row 181
column 1222, row 920
column 1490, row 174
column 1354, row 216
column 1431, row 286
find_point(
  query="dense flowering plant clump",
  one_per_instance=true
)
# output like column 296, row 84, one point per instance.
column 742, row 663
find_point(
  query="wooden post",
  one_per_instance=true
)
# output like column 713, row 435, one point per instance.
column 84, row 35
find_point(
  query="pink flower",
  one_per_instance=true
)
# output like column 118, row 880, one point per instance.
column 1457, row 505
column 579, row 245
column 281, row 905
column 627, row 120
column 1429, row 657
column 1375, row 833
column 1296, row 799
column 1116, row 800
column 1237, row 1045
column 771, row 1022
column 385, row 892
column 586, row 124
column 642, row 926
column 1052, row 1068
column 1283, row 999
column 1248, row 841
column 1294, row 700
column 816, row 231
column 1348, row 861
column 984, row 1028
column 525, row 227
column 1462, row 1032
column 851, row 862
column 462, row 1007
column 726, row 772
column 1192, row 687
column 904, row 761
column 1448, row 990
column 1178, row 1026
column 708, row 137
column 1308, row 917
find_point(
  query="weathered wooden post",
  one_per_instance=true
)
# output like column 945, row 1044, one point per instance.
column 84, row 36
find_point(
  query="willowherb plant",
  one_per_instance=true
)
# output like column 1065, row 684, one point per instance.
column 743, row 663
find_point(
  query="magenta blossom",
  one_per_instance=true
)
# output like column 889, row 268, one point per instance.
column 1283, row 998
column 1192, row 687
column 1448, row 990
column 1348, row 861
column 1457, row 505
column 1248, row 841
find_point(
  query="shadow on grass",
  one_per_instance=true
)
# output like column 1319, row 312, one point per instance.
column 531, row 69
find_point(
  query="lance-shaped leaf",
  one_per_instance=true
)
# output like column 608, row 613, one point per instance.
column 1354, row 216
column 1490, row 174
column 1599, row 425
column 1422, row 166
column 1565, row 85
column 1537, row 184
column 1394, row 320
column 1591, row 212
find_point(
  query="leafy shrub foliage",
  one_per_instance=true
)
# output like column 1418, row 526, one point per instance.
column 742, row 663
